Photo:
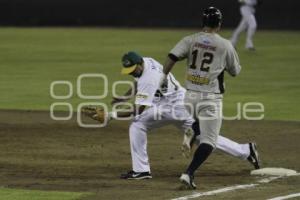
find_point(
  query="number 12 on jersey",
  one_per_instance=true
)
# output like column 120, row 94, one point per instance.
column 207, row 59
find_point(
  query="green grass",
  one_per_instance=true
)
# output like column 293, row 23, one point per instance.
column 32, row 58
column 20, row 194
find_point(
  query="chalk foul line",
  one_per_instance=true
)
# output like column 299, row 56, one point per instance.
column 286, row 197
column 232, row 188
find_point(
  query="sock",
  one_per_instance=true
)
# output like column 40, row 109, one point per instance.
column 196, row 129
column 200, row 155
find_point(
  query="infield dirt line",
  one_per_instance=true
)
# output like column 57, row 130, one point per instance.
column 230, row 188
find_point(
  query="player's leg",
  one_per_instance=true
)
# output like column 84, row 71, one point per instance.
column 138, row 144
column 243, row 151
column 210, row 118
column 251, row 21
column 139, row 155
column 241, row 27
column 183, row 120
column 233, row 148
column 190, row 127
column 226, row 145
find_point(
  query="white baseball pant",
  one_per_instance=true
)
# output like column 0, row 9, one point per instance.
column 170, row 114
column 248, row 22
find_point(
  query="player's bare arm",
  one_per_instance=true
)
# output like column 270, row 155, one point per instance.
column 127, row 96
column 137, row 110
column 169, row 63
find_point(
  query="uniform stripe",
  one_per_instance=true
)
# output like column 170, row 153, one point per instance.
column 173, row 57
column 221, row 82
column 172, row 81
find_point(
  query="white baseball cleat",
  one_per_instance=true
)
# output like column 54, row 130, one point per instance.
column 187, row 181
column 186, row 143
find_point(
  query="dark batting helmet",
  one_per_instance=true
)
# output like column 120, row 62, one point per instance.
column 212, row 17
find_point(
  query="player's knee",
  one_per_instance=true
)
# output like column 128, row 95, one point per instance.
column 136, row 127
column 253, row 26
column 252, row 23
column 207, row 147
column 209, row 141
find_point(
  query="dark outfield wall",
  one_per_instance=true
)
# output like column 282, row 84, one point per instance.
column 276, row 14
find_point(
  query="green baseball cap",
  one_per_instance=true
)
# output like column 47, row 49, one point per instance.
column 130, row 61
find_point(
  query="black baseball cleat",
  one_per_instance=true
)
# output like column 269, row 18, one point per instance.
column 253, row 157
column 131, row 175
column 187, row 181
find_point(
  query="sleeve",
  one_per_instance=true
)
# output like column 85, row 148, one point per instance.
column 181, row 49
column 233, row 66
column 145, row 94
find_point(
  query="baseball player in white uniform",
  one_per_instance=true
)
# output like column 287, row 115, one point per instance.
column 208, row 57
column 155, row 108
column 248, row 23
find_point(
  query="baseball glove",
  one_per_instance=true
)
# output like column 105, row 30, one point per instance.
column 96, row 113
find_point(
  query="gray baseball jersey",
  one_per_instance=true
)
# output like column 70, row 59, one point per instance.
column 208, row 56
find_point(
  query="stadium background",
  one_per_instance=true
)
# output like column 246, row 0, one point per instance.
column 272, row 14
column 47, row 40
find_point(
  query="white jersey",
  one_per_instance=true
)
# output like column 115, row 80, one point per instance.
column 147, row 92
column 208, row 56
column 248, row 6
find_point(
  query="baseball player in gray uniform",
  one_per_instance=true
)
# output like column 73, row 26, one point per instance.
column 160, row 106
column 208, row 56
column 248, row 23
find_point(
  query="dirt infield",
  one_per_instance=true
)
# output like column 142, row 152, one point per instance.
column 39, row 153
